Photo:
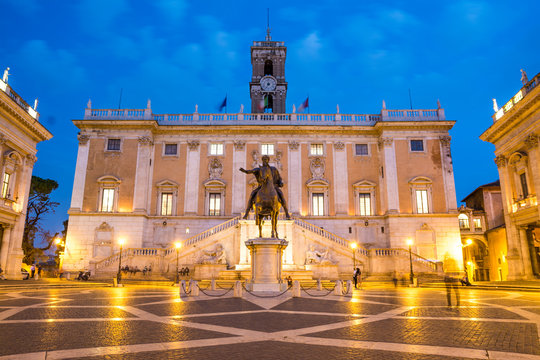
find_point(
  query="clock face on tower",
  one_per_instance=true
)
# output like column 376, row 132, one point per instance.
column 268, row 83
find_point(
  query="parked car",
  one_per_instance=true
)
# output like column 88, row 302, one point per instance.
column 25, row 274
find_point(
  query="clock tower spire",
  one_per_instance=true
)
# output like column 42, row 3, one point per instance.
column 268, row 88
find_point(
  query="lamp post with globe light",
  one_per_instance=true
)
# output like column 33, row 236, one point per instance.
column 411, row 275
column 177, row 245
column 119, row 274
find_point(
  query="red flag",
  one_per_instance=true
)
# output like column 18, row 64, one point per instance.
column 304, row 105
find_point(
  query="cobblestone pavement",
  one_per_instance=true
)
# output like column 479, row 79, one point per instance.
column 152, row 322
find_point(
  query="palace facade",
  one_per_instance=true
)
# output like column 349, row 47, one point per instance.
column 515, row 132
column 379, row 180
column 20, row 132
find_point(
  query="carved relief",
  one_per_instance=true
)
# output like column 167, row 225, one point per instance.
column 531, row 141
column 215, row 256
column 83, row 139
column 279, row 154
column 500, row 161
column 104, row 227
column 339, row 145
column 145, row 140
column 31, row 159
column 255, row 156
column 215, row 168
column 445, row 140
column 293, row 145
column 239, row 144
column 317, row 168
column 3, row 139
column 193, row 144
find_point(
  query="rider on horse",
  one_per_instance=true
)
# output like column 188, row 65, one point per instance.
column 278, row 183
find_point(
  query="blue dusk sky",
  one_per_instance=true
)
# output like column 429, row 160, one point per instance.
column 179, row 53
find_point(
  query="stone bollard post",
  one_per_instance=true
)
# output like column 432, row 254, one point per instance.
column 213, row 284
column 194, row 288
column 349, row 287
column 296, row 289
column 237, row 292
column 182, row 287
column 338, row 290
column 319, row 284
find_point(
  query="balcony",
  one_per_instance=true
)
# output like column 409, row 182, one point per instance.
column 526, row 203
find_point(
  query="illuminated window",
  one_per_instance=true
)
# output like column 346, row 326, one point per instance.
column 171, row 149
column 317, row 201
column 107, row 200
column 361, row 149
column 422, row 202
column 364, row 205
column 215, row 204
column 216, row 149
column 477, row 224
column 267, row 149
column 5, row 185
column 166, row 203
column 316, row 149
column 113, row 144
column 464, row 221
column 417, row 145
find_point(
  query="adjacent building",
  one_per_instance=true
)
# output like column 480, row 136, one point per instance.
column 378, row 180
column 20, row 131
column 515, row 131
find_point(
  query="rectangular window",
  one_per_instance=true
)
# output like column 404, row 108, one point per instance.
column 267, row 149
column 171, row 149
column 166, row 203
column 113, row 144
column 365, row 204
column 318, row 204
column 417, row 145
column 316, row 149
column 5, row 186
column 464, row 223
column 422, row 202
column 216, row 149
column 361, row 149
column 524, row 187
column 215, row 204
column 107, row 200
column 477, row 224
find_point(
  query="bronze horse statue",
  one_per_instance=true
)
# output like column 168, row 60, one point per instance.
column 266, row 201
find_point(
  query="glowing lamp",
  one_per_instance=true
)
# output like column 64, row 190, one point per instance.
column 121, row 242
column 354, row 245
column 177, row 245
column 409, row 242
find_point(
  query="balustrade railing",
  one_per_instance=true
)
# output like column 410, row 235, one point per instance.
column 527, row 88
column 528, row 202
column 126, row 253
column 398, row 252
column 328, row 235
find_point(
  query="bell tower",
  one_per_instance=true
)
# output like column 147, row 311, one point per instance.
column 268, row 88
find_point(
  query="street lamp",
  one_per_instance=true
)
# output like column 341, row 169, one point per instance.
column 177, row 245
column 119, row 274
column 353, row 246
column 59, row 243
column 411, row 276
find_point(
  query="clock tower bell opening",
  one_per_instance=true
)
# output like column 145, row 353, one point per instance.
column 268, row 88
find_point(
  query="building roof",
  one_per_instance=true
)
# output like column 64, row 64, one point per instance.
column 495, row 183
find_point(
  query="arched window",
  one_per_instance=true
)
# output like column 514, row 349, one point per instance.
column 268, row 68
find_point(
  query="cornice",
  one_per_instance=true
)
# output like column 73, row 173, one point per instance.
column 29, row 125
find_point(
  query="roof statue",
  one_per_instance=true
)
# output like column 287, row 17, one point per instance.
column 89, row 104
column 384, row 105
column 196, row 108
column 148, row 104
column 524, row 78
column 438, row 104
column 495, row 106
column 6, row 74
column 337, row 109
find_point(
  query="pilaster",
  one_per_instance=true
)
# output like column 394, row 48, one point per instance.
column 294, row 177
column 448, row 173
column 80, row 173
column 4, row 246
column 192, row 177
column 238, row 178
column 341, row 186
column 142, row 175
column 386, row 144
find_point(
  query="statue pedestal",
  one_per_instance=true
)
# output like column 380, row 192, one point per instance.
column 266, row 255
column 324, row 271
column 208, row 271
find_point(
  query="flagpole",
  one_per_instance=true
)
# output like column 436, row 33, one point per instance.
column 308, row 107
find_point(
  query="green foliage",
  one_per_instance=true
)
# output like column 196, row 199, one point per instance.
column 39, row 204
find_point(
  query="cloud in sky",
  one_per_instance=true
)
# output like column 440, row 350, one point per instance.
column 174, row 10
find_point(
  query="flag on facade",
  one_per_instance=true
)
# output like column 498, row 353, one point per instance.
column 223, row 104
column 263, row 104
column 304, row 105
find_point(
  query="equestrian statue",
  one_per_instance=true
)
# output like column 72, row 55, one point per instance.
column 267, row 196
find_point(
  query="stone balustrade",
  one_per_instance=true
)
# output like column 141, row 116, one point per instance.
column 526, row 203
column 527, row 88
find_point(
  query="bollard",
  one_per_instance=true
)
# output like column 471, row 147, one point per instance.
column 182, row 287
column 338, row 290
column 319, row 284
column 349, row 287
column 296, row 289
column 237, row 292
column 213, row 284
column 194, row 288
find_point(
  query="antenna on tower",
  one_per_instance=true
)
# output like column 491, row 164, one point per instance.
column 268, row 37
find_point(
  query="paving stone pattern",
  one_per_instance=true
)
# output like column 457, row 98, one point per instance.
column 152, row 322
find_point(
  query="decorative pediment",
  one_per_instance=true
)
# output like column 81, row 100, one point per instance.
column 364, row 184
column 12, row 157
column 104, row 227
column 214, row 183
column 167, row 184
column 312, row 183
column 420, row 180
column 518, row 158
column 109, row 179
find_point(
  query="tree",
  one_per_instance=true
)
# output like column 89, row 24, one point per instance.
column 39, row 204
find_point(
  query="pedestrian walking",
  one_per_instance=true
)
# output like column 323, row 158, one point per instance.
column 451, row 283
column 357, row 277
column 2, row 277
column 395, row 279
column 39, row 268
column 32, row 270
